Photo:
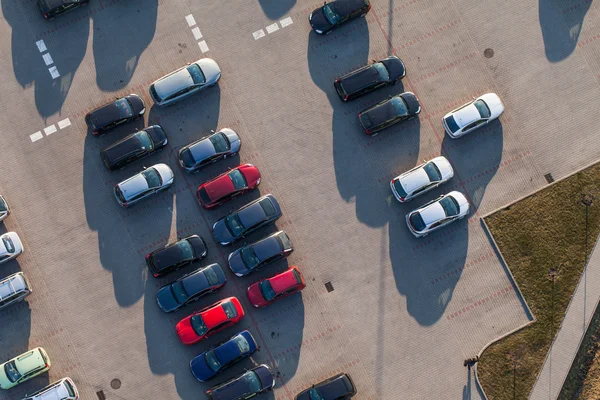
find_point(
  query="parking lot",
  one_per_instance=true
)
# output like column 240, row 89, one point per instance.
column 404, row 312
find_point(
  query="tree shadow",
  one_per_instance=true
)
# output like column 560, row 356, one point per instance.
column 275, row 9
column 561, row 26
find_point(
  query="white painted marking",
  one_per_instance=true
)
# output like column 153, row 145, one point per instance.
column 203, row 46
column 48, row 59
column 190, row 20
column 36, row 136
column 54, row 72
column 64, row 123
column 272, row 28
column 286, row 21
column 41, row 46
column 50, row 130
column 258, row 34
column 197, row 33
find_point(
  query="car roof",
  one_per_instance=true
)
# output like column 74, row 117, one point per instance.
column 252, row 214
column 202, row 149
column 382, row 112
column 106, row 114
column 414, row 180
column 133, row 186
column 432, row 213
column 55, row 391
column 29, row 361
column 124, row 147
column 338, row 386
column 360, row 79
column 283, row 281
column 173, row 83
column 11, row 284
column 168, row 256
column 466, row 115
column 267, row 247
column 220, row 187
column 345, row 7
column 195, row 282
column 227, row 351
column 215, row 315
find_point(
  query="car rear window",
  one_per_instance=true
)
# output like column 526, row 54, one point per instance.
column 119, row 194
column 70, row 388
column 203, row 195
column 297, row 276
column 451, row 122
column 432, row 172
column 416, row 221
column 284, row 241
column 229, row 309
column 154, row 94
column 219, row 142
column 400, row 189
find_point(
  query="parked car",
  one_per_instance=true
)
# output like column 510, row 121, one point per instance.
column 210, row 320
column 437, row 213
column 228, row 185
column 52, row 8
column 121, row 110
column 184, row 82
column 190, row 287
column 337, row 387
column 389, row 112
column 13, row 289
column 63, row 389
column 275, row 288
column 252, row 257
column 10, row 246
column 251, row 383
column 151, row 180
column 209, row 149
column 337, row 12
column 176, row 255
column 261, row 212
column 421, row 179
column 133, row 147
column 212, row 362
column 24, row 367
column 370, row 77
column 475, row 114
column 4, row 209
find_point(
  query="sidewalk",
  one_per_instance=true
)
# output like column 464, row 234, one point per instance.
column 566, row 344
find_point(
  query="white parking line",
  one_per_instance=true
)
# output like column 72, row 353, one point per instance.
column 190, row 20
column 197, row 33
column 41, row 46
column 53, row 72
column 50, row 130
column 64, row 123
column 272, row 28
column 258, row 34
column 48, row 59
column 36, row 136
column 203, row 46
column 286, row 21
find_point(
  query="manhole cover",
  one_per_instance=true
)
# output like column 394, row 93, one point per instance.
column 488, row 53
column 115, row 383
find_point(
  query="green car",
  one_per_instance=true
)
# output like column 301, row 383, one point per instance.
column 24, row 367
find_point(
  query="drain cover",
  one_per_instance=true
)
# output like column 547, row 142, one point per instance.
column 115, row 383
column 488, row 53
column 549, row 178
column 329, row 286
column 101, row 395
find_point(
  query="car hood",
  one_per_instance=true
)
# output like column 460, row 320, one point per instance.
column 173, row 83
column 210, row 69
column 200, row 369
column 185, row 331
column 444, row 166
column 165, row 299
column 255, row 296
column 494, row 103
column 318, row 20
column 221, row 233
column 236, row 264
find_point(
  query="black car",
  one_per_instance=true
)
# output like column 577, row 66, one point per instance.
column 52, row 8
column 219, row 145
column 254, row 256
column 370, row 77
column 176, row 255
column 335, row 13
column 112, row 114
column 338, row 387
column 251, row 383
column 190, row 287
column 261, row 212
column 133, row 147
column 389, row 112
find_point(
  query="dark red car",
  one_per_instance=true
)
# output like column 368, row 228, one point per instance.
column 210, row 320
column 228, row 185
column 269, row 290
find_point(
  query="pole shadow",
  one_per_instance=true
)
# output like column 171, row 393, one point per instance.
column 561, row 26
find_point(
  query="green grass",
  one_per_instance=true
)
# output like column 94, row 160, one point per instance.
column 540, row 232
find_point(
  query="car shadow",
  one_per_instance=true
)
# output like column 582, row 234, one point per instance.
column 275, row 9
column 561, row 26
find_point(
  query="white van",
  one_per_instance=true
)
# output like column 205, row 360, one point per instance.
column 64, row 389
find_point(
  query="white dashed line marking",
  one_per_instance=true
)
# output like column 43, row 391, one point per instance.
column 36, row 136
column 41, row 46
column 272, row 28
column 258, row 34
column 197, row 33
column 48, row 59
column 64, row 123
column 50, row 130
column 53, row 72
column 203, row 46
column 190, row 20
column 286, row 21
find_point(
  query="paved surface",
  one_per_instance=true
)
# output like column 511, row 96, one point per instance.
column 404, row 313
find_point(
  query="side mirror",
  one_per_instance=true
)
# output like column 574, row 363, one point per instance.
column 212, row 131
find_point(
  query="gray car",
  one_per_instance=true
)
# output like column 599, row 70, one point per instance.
column 209, row 149
column 13, row 289
column 186, row 81
column 4, row 209
column 151, row 180
column 254, row 256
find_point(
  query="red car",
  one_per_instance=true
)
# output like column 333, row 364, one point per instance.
column 228, row 185
column 269, row 290
column 210, row 320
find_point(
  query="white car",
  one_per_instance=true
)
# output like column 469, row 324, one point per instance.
column 421, row 179
column 4, row 209
column 151, row 180
column 473, row 115
column 10, row 246
column 437, row 213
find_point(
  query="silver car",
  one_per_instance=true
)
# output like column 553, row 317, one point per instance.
column 421, row 179
column 151, row 180
column 185, row 82
column 10, row 246
column 437, row 213
column 4, row 209
column 13, row 288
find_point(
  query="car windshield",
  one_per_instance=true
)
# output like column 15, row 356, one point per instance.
column 11, row 371
column 211, row 276
column 267, row 290
column 213, row 362
column 314, row 394
column 198, row 325
column 234, row 224
column 398, row 186
column 125, row 109
column 239, row 182
column 229, row 309
column 8, row 244
column 450, row 206
column 186, row 249
column 483, row 109
column 416, row 221
column 242, row 344
column 284, row 241
column 179, row 292
column 144, row 140
column 399, row 105
column 219, row 142
column 451, row 122
column 70, row 388
column 152, row 177
column 252, row 382
column 330, row 14
column 382, row 71
column 196, row 74
column 249, row 257
column 432, row 172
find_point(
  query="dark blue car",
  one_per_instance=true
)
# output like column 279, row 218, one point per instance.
column 212, row 362
column 251, row 383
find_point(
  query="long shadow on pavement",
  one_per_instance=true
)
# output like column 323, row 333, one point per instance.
column 275, row 9
column 561, row 23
